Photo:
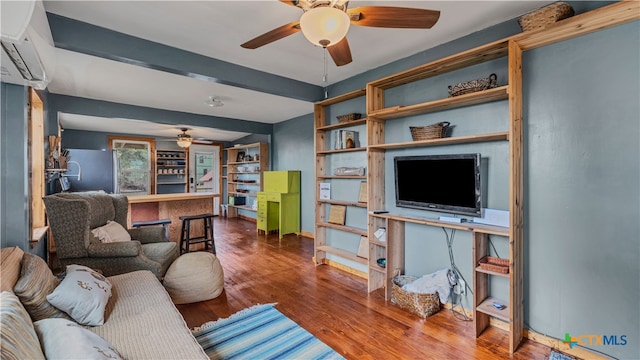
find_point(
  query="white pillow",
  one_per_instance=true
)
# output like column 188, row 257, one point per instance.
column 64, row 339
column 83, row 294
column 111, row 232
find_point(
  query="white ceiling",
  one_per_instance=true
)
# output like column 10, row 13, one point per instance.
column 217, row 28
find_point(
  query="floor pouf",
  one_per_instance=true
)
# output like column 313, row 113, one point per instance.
column 193, row 277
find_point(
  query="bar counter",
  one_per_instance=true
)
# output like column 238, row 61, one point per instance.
column 170, row 206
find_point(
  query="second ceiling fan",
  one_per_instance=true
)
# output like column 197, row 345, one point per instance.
column 326, row 22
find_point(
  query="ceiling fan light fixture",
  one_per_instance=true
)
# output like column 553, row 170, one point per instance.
column 213, row 102
column 184, row 139
column 324, row 26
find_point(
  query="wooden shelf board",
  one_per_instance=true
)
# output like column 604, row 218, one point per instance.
column 378, row 269
column 445, row 141
column 495, row 94
column 349, row 229
column 246, row 172
column 342, row 202
column 244, row 162
column 377, row 243
column 254, row 145
column 480, row 54
column 479, row 228
column 486, row 307
column 324, row 152
column 243, row 183
column 342, row 125
column 344, row 97
column 241, row 193
column 489, row 272
column 343, row 253
column 38, row 233
column 171, row 182
column 242, row 207
column 342, row 177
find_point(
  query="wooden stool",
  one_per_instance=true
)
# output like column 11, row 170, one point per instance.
column 185, row 234
column 164, row 222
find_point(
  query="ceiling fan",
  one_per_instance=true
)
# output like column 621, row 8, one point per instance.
column 185, row 140
column 326, row 22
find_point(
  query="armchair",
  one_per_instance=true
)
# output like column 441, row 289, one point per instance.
column 72, row 216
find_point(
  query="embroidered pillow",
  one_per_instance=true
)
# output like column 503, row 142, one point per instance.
column 111, row 232
column 83, row 294
column 64, row 339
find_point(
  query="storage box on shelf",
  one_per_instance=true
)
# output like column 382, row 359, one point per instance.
column 171, row 171
column 244, row 176
column 327, row 133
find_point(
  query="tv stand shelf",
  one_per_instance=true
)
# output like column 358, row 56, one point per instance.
column 466, row 226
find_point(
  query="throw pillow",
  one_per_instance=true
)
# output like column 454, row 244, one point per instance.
column 83, row 294
column 64, row 339
column 10, row 259
column 17, row 336
column 111, row 232
column 36, row 281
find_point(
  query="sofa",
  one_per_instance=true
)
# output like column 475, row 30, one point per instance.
column 137, row 321
column 90, row 228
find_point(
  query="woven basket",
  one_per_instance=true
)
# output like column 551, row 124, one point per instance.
column 423, row 305
column 433, row 131
column 494, row 264
column 348, row 117
column 545, row 16
column 474, row 85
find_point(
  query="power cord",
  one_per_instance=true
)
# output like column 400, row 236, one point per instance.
column 454, row 268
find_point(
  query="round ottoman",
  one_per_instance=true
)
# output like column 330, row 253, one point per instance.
column 193, row 277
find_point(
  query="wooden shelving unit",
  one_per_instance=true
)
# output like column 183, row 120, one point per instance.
column 324, row 130
column 172, row 171
column 244, row 178
column 379, row 116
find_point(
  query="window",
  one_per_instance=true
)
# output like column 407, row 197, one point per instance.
column 132, row 165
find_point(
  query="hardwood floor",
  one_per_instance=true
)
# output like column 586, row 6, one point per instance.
column 334, row 305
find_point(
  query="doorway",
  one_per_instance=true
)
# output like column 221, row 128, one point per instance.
column 204, row 171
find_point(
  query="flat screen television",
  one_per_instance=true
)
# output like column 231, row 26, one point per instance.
column 446, row 183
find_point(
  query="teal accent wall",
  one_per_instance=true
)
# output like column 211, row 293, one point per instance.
column 293, row 150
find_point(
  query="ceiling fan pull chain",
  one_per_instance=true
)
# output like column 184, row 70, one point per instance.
column 325, row 74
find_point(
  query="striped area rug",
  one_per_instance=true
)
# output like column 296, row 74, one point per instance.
column 260, row 332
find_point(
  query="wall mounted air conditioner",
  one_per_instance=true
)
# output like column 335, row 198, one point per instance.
column 28, row 52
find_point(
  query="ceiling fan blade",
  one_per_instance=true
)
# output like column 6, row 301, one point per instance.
column 393, row 17
column 340, row 52
column 273, row 35
column 290, row 2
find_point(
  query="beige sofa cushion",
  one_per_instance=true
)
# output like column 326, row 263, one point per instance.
column 10, row 262
column 193, row 277
column 18, row 339
column 142, row 322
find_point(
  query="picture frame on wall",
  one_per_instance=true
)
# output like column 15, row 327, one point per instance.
column 240, row 156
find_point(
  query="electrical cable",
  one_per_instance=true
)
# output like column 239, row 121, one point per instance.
column 456, row 271
column 493, row 247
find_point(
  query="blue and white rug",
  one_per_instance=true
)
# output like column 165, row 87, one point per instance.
column 559, row 356
column 260, row 332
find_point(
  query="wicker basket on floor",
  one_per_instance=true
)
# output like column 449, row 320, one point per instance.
column 423, row 305
column 545, row 16
column 434, row 131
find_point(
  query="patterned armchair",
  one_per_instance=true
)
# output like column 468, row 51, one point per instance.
column 72, row 216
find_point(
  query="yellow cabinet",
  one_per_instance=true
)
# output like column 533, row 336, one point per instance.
column 279, row 204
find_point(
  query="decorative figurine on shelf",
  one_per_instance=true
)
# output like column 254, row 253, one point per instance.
column 248, row 158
